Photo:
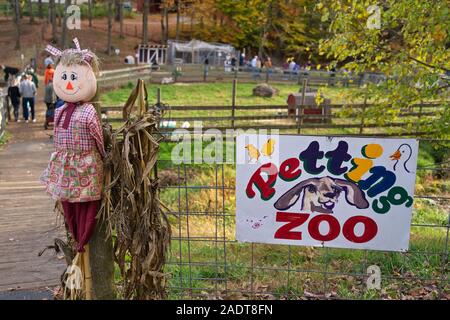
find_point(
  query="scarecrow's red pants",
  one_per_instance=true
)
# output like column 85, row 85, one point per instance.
column 80, row 218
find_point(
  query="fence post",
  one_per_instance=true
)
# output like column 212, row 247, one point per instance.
column 101, row 259
column 419, row 117
column 3, row 100
column 101, row 256
column 205, row 72
column 233, row 103
column 158, row 96
column 300, row 107
column 8, row 107
column 361, row 126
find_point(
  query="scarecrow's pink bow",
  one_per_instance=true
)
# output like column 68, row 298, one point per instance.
column 87, row 55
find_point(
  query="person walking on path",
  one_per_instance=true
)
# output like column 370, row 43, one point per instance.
column 14, row 96
column 49, row 95
column 49, row 99
column 254, row 61
column 30, row 71
column 27, row 90
column 48, row 60
column 48, row 75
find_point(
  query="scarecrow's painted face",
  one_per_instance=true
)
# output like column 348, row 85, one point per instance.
column 74, row 83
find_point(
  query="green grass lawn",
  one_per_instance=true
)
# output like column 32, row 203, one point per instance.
column 216, row 94
column 347, row 120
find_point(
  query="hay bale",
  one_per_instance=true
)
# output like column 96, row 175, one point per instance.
column 264, row 90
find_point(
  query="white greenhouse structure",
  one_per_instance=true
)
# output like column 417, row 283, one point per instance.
column 196, row 52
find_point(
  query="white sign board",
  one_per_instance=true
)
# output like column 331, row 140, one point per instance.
column 325, row 191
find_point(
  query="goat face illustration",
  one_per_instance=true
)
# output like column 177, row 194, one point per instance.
column 321, row 195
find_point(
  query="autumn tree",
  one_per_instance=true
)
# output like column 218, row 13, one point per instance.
column 407, row 41
column 264, row 26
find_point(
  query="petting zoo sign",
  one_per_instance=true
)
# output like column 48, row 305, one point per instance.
column 325, row 191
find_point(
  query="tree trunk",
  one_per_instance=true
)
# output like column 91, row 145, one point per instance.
column 90, row 13
column 192, row 22
column 20, row 11
column 59, row 13
column 64, row 25
column 145, row 22
column 53, row 20
column 166, row 16
column 117, row 4
column 110, row 23
column 40, row 10
column 17, row 23
column 177, row 31
column 30, row 11
column 120, row 18
column 163, row 25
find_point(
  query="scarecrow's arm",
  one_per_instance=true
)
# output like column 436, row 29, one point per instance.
column 95, row 129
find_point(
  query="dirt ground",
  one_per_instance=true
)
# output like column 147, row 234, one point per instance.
column 35, row 37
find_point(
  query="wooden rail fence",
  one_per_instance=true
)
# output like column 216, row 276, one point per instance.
column 349, row 119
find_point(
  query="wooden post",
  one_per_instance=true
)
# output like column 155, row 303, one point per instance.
column 101, row 259
column 8, row 107
column 158, row 97
column 158, row 106
column 419, row 117
column 361, row 126
column 233, row 103
column 205, row 72
column 300, row 107
column 101, row 255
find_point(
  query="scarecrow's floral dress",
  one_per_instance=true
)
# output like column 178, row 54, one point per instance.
column 75, row 170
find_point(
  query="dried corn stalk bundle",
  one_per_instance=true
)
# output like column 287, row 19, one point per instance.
column 131, row 204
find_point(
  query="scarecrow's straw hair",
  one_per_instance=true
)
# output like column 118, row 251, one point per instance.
column 70, row 58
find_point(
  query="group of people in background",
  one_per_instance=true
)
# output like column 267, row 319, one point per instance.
column 22, row 86
column 22, row 89
column 293, row 67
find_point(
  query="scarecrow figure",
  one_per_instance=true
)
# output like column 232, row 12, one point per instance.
column 74, row 174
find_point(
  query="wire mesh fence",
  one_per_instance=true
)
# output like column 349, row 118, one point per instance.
column 206, row 261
